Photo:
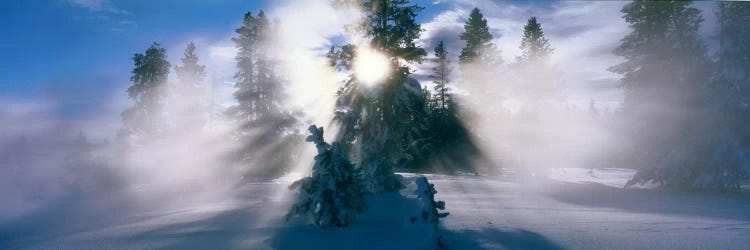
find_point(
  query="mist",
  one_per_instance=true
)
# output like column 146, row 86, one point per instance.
column 217, row 140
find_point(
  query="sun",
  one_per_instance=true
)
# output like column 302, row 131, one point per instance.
column 371, row 67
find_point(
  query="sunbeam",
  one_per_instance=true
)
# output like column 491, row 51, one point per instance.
column 371, row 67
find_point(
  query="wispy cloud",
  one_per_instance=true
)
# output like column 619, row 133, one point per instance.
column 97, row 6
column 582, row 33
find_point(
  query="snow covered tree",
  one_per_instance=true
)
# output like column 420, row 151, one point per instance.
column 663, row 80
column 430, row 208
column 383, row 121
column 149, row 79
column 479, row 48
column 534, row 47
column 332, row 195
column 392, row 28
column 266, row 125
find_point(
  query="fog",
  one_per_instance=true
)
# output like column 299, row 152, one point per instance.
column 521, row 118
column 48, row 159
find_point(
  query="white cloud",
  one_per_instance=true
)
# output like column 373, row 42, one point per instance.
column 582, row 33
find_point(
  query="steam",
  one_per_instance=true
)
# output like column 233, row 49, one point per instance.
column 46, row 159
column 530, row 118
column 538, row 117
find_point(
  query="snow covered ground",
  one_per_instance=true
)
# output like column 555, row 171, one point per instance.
column 561, row 209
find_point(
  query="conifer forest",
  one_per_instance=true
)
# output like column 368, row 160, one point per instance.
column 374, row 124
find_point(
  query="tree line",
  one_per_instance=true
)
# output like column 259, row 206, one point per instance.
column 682, row 112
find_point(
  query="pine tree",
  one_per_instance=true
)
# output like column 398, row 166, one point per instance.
column 432, row 104
column 149, row 79
column 725, row 134
column 535, row 48
column 266, row 127
column 663, row 78
column 332, row 195
column 190, row 73
column 189, row 94
column 385, row 120
column 448, row 140
column 542, row 90
column 247, row 45
column 479, row 48
column 258, row 84
column 393, row 29
column 732, row 76
column 441, row 72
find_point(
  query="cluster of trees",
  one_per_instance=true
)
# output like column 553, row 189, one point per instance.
column 685, row 112
column 148, row 92
column 267, row 129
column 394, row 124
column 382, row 126
column 150, row 118
column 397, row 123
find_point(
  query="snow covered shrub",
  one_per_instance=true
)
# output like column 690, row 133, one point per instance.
column 332, row 196
column 430, row 208
column 377, row 172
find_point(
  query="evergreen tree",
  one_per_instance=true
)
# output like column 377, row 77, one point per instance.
column 432, row 104
column 190, row 73
column 258, row 84
column 447, row 145
column 663, row 78
column 149, row 79
column 384, row 121
column 246, row 42
column 539, row 95
column 189, row 94
column 732, row 77
column 534, row 46
column 266, row 127
column 332, row 195
column 393, row 29
column 542, row 90
column 441, row 72
column 724, row 136
column 479, row 47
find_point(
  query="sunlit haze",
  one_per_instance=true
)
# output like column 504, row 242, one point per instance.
column 370, row 66
column 374, row 124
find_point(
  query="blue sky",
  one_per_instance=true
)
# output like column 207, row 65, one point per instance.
column 76, row 53
column 78, row 49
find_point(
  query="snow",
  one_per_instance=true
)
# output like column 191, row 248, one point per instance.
column 562, row 208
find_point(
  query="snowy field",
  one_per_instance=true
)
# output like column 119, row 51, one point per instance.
column 562, row 209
